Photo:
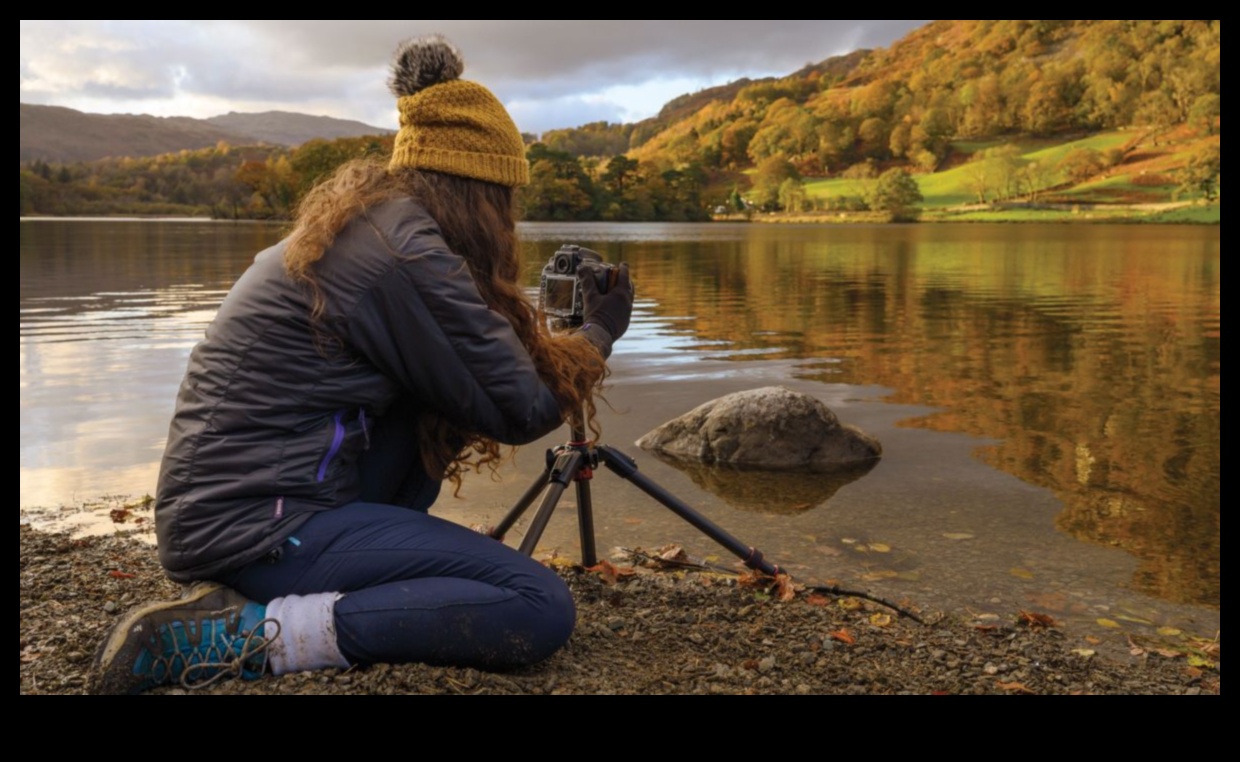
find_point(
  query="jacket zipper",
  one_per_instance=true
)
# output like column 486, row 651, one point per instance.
column 337, row 438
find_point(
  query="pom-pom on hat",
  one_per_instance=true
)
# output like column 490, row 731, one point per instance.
column 448, row 124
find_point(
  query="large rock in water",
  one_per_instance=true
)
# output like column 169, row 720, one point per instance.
column 770, row 428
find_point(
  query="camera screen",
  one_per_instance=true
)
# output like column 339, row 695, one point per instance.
column 559, row 294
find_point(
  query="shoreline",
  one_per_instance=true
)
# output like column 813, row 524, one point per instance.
column 1082, row 213
column 640, row 630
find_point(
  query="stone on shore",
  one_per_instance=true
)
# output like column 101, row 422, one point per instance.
column 769, row 428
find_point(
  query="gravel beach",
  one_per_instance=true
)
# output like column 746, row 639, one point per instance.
column 641, row 630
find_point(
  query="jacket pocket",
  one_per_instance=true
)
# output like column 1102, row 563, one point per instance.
column 336, row 475
column 333, row 450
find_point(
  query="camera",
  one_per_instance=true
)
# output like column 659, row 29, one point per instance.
column 559, row 290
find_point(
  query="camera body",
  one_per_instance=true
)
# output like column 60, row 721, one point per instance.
column 559, row 289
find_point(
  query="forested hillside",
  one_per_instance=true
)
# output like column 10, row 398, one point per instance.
column 957, row 113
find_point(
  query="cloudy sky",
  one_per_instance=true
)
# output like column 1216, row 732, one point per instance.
column 549, row 73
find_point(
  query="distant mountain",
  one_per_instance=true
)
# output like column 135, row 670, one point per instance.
column 57, row 134
column 288, row 129
column 60, row 134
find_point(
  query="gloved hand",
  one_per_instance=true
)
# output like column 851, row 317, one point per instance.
column 605, row 316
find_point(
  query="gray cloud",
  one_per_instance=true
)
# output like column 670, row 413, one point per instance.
column 551, row 73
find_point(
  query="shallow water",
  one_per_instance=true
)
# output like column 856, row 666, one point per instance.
column 1047, row 397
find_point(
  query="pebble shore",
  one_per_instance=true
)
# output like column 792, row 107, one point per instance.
column 640, row 631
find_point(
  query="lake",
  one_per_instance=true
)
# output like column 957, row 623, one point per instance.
column 1047, row 397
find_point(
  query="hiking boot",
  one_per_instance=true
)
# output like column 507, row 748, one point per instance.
column 210, row 633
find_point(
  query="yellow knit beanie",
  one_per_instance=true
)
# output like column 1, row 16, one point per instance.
column 448, row 124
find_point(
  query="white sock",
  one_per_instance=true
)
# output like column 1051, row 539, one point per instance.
column 303, row 635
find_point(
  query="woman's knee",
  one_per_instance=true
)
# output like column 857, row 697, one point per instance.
column 551, row 624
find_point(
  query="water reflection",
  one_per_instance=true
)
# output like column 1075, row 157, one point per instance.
column 109, row 312
column 1085, row 360
column 764, row 491
column 1090, row 353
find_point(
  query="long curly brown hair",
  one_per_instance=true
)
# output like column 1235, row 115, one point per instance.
column 478, row 222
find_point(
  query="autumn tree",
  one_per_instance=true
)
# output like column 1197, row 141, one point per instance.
column 1201, row 176
column 1080, row 164
column 792, row 196
column 862, row 175
column 620, row 170
column 767, row 180
column 1205, row 111
column 559, row 189
column 896, row 192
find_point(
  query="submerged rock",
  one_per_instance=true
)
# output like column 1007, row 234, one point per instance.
column 770, row 428
column 784, row 491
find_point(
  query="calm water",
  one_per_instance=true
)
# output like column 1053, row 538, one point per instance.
column 1047, row 397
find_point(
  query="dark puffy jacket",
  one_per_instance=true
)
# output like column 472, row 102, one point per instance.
column 270, row 420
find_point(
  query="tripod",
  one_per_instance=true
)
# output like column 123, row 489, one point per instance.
column 576, row 461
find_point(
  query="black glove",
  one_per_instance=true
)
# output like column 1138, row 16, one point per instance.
column 605, row 313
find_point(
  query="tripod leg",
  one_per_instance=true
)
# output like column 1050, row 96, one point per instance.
column 626, row 468
column 536, row 487
column 560, row 474
column 585, row 521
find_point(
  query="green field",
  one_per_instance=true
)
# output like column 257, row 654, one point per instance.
column 1148, row 181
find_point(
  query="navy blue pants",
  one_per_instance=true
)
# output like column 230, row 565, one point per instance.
column 416, row 588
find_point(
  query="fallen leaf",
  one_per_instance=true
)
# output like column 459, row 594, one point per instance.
column 850, row 604
column 1108, row 623
column 817, row 599
column 1197, row 660
column 118, row 515
column 752, row 579
column 1208, row 646
column 610, row 573
column 1015, row 687
column 120, row 574
column 1034, row 619
column 843, row 636
column 1092, row 640
column 785, row 589
column 673, row 553
column 880, row 620
column 1169, row 632
column 562, row 562
column 1085, row 652
column 880, row 547
column 1022, row 573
